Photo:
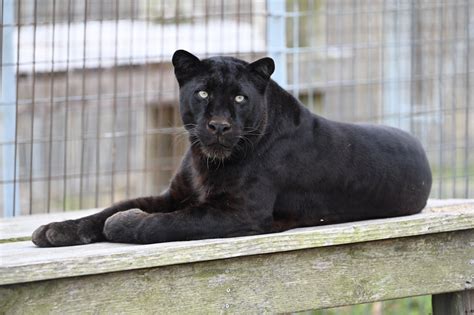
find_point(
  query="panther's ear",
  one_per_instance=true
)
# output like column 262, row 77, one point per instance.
column 264, row 67
column 186, row 65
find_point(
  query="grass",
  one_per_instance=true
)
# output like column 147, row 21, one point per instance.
column 420, row 305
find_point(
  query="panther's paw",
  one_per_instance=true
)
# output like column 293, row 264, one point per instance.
column 71, row 232
column 123, row 227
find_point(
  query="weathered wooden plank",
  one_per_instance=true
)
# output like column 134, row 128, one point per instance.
column 23, row 262
column 21, row 228
column 272, row 283
column 455, row 303
column 442, row 205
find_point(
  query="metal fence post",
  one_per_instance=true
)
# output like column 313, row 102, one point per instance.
column 396, row 102
column 276, row 39
column 8, row 112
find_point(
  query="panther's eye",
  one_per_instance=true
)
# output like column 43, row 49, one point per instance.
column 203, row 94
column 239, row 98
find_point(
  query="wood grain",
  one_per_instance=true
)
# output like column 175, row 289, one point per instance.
column 455, row 303
column 290, row 281
column 23, row 262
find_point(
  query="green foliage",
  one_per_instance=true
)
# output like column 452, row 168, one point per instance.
column 420, row 305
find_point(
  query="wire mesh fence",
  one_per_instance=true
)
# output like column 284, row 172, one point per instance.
column 89, row 102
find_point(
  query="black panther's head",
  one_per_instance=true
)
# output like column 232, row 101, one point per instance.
column 222, row 101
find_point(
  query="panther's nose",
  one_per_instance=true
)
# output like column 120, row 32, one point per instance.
column 219, row 126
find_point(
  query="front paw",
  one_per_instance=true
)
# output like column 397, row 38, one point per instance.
column 123, row 227
column 71, row 232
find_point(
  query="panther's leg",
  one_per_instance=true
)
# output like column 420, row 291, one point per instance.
column 198, row 222
column 89, row 229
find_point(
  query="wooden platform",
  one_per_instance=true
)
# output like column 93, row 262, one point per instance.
column 309, row 268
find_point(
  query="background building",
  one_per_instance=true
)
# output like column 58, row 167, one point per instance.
column 89, row 100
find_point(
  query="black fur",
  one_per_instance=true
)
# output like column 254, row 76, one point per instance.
column 263, row 165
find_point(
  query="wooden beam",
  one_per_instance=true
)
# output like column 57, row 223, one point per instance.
column 312, row 278
column 455, row 303
column 21, row 228
column 23, row 262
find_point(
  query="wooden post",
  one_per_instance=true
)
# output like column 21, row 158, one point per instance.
column 455, row 303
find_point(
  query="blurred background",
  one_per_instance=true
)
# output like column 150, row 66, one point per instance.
column 89, row 103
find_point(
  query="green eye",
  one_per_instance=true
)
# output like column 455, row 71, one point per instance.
column 239, row 98
column 203, row 94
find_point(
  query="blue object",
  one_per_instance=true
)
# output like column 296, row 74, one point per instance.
column 8, row 113
column 276, row 39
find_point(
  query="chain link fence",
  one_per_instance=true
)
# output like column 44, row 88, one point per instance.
column 89, row 110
